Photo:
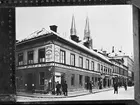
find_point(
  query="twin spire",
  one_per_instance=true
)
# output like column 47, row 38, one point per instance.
column 73, row 27
column 86, row 30
column 87, row 37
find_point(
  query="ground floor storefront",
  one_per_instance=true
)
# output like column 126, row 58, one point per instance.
column 44, row 79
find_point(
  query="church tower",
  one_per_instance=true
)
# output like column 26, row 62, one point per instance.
column 73, row 33
column 87, row 37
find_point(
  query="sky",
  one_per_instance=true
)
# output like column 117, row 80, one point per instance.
column 110, row 25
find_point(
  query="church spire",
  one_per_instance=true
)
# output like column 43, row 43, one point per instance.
column 88, row 42
column 87, row 30
column 73, row 28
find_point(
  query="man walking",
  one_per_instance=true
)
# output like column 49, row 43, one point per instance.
column 58, row 86
column 115, row 87
column 65, row 89
column 125, row 86
column 90, row 87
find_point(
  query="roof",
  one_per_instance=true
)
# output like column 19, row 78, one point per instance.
column 44, row 32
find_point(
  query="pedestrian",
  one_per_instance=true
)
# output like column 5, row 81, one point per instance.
column 65, row 89
column 125, row 86
column 115, row 87
column 58, row 86
column 100, row 84
column 90, row 87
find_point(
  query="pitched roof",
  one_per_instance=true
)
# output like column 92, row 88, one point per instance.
column 44, row 32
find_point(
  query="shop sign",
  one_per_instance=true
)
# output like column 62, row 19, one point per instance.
column 49, row 53
column 57, row 53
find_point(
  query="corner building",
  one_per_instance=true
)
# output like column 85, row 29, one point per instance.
column 46, row 57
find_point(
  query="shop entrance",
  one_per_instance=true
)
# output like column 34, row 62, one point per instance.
column 29, row 81
column 87, row 80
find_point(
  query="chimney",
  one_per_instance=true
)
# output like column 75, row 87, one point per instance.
column 104, row 52
column 53, row 28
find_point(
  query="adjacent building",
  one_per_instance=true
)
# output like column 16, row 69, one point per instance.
column 128, row 62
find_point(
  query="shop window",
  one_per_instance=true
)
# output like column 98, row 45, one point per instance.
column 81, row 62
column 92, row 80
column 72, row 79
column 62, row 56
column 30, row 57
column 80, row 80
column 20, row 59
column 41, row 55
column 72, row 59
column 96, row 79
column 41, row 78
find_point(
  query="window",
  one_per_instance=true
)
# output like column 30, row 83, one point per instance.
column 20, row 59
column 41, row 78
column 72, row 79
column 41, row 55
column 62, row 56
column 104, row 69
column 108, row 72
column 101, row 68
column 30, row 57
column 92, row 80
column 98, row 67
column 87, row 64
column 81, row 62
column 72, row 59
column 92, row 65
column 80, row 80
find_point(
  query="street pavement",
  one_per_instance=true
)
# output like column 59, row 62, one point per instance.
column 105, row 94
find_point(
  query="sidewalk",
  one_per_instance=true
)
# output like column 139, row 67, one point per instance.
column 70, row 94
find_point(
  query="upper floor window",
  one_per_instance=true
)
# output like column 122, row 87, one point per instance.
column 108, row 71
column 62, row 56
column 41, row 55
column 98, row 67
column 81, row 62
column 104, row 69
column 20, row 59
column 30, row 57
column 92, row 65
column 72, row 59
column 101, row 68
column 87, row 64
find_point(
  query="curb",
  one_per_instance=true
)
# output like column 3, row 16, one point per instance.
column 66, row 96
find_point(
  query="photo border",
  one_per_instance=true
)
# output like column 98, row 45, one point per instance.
column 7, row 25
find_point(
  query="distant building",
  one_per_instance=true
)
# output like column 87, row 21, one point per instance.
column 130, row 64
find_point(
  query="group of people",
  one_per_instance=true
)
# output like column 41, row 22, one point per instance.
column 116, row 86
column 61, row 88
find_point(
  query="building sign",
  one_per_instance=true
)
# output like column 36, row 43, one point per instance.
column 49, row 53
column 45, row 84
column 36, row 65
column 57, row 53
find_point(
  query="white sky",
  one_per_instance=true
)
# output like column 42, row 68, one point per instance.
column 109, row 25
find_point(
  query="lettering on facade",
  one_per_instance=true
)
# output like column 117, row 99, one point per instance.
column 57, row 53
column 49, row 53
column 35, row 66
